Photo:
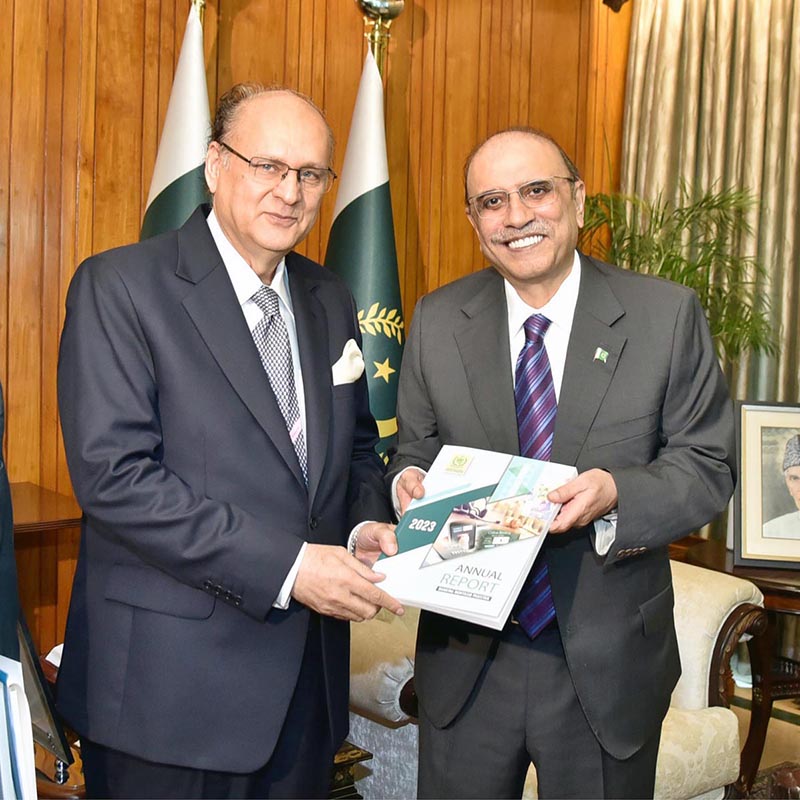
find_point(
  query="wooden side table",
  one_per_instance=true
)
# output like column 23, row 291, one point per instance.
column 46, row 543
column 774, row 678
column 37, row 510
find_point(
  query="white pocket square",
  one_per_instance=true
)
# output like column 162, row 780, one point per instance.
column 349, row 368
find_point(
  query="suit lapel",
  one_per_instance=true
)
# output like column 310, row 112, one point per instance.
column 592, row 357
column 312, row 340
column 217, row 315
column 482, row 341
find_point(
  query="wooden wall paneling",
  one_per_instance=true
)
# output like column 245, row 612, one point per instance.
column 53, row 235
column 312, row 26
column 399, row 143
column 404, row 94
column 256, row 42
column 485, row 43
column 211, row 48
column 403, row 142
column 318, row 88
column 485, row 122
column 311, row 20
column 436, row 57
column 157, row 74
column 461, row 79
column 554, row 85
column 86, row 244
column 498, row 64
column 80, row 75
column 602, row 94
column 523, row 76
column 514, row 46
column 119, row 126
column 6, row 104
column 25, row 240
column 420, row 113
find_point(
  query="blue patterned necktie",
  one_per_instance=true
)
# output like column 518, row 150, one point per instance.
column 535, row 398
column 272, row 341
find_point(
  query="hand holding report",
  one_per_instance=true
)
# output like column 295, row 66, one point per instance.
column 466, row 547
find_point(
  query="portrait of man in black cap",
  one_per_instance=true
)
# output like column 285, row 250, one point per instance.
column 787, row 526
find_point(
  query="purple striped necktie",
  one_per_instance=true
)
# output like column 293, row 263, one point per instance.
column 535, row 397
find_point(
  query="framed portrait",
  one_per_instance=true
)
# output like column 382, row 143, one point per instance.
column 767, row 501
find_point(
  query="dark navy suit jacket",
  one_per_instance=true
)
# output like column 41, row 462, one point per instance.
column 195, row 507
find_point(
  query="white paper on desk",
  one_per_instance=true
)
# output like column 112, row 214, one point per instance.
column 17, row 743
column 467, row 546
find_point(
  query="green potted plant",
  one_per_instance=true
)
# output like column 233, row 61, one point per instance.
column 694, row 242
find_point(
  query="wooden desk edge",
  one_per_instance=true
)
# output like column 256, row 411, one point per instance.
column 37, row 510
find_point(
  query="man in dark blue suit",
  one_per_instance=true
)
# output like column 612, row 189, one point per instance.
column 219, row 440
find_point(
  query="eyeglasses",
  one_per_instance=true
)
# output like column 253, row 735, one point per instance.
column 270, row 172
column 534, row 194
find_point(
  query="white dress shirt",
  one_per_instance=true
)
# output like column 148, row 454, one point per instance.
column 245, row 284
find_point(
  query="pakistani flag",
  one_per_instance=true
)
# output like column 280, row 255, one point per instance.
column 361, row 249
column 178, row 184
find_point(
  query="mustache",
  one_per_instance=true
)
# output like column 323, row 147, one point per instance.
column 531, row 229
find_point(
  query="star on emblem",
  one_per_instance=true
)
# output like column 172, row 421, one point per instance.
column 383, row 370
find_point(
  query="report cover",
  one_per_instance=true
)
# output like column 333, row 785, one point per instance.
column 465, row 549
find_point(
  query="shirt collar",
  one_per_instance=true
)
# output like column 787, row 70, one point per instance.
column 559, row 309
column 245, row 282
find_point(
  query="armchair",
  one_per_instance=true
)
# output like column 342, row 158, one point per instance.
column 699, row 754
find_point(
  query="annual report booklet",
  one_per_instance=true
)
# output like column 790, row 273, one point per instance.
column 465, row 548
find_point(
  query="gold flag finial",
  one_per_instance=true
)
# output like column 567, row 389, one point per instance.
column 378, row 18
column 200, row 5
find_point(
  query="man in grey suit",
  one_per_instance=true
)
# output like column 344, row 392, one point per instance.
column 581, row 686
column 218, row 435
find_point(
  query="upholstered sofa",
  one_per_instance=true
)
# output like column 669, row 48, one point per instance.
column 699, row 756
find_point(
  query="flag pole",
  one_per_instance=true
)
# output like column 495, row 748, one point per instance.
column 200, row 5
column 378, row 18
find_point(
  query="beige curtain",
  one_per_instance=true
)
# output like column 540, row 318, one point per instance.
column 713, row 98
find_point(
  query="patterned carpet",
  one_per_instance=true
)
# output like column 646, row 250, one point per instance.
column 761, row 785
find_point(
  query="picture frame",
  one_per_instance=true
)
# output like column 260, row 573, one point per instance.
column 766, row 530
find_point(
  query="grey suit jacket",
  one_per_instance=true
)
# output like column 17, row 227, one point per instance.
column 656, row 414
column 194, row 503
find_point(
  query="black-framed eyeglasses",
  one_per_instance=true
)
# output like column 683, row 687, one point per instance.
column 271, row 172
column 533, row 194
